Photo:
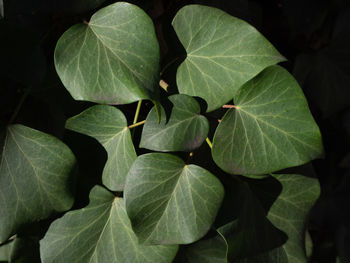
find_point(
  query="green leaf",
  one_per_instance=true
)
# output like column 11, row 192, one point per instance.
column 5, row 251
column 211, row 250
column 35, row 178
column 185, row 130
column 113, row 59
column 250, row 232
column 289, row 213
column 223, row 52
column 24, row 250
column 271, row 127
column 100, row 232
column 169, row 202
column 108, row 125
column 1, row 9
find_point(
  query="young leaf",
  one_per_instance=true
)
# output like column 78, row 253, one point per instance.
column 185, row 130
column 112, row 59
column 108, row 125
column 100, row 232
column 271, row 127
column 35, row 178
column 169, row 202
column 223, row 52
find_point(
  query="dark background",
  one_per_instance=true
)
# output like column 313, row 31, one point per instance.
column 314, row 35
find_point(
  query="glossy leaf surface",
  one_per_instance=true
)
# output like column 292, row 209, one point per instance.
column 185, row 130
column 108, row 125
column 100, row 232
column 35, row 178
column 271, row 127
column 169, row 202
column 223, row 52
column 112, row 59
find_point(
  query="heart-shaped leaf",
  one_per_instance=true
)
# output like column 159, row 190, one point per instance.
column 271, row 127
column 108, row 125
column 35, row 178
column 169, row 202
column 112, row 59
column 223, row 52
column 100, row 232
column 185, row 130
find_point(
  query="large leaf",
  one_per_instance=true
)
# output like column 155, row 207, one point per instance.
column 100, row 232
column 271, row 127
column 35, row 178
column 108, row 125
column 185, row 130
column 169, row 202
column 223, row 52
column 289, row 213
column 112, row 59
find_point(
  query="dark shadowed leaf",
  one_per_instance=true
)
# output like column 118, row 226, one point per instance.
column 211, row 250
column 112, row 59
column 100, row 232
column 108, row 125
column 223, row 52
column 169, row 202
column 35, row 178
column 271, row 127
column 289, row 213
column 185, row 130
column 250, row 233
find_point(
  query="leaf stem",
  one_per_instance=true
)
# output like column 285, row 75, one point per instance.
column 136, row 124
column 209, row 142
column 227, row 106
column 19, row 105
column 136, row 117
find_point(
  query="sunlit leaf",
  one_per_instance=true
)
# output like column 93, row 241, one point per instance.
column 112, row 59
column 271, row 127
column 108, row 125
column 35, row 178
column 223, row 52
column 100, row 232
column 169, row 202
column 185, row 130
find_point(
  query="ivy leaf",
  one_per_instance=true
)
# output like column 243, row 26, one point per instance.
column 211, row 250
column 271, row 127
column 100, row 232
column 250, row 232
column 223, row 52
column 169, row 202
column 289, row 213
column 35, row 178
column 108, row 126
column 185, row 130
column 113, row 59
